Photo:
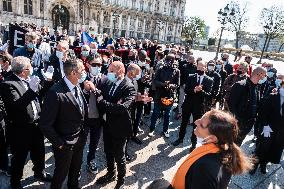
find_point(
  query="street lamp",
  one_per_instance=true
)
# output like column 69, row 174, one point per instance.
column 115, row 17
column 223, row 18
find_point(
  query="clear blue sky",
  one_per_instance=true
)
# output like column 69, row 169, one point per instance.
column 208, row 9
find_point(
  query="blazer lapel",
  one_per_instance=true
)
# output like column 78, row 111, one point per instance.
column 118, row 89
column 70, row 96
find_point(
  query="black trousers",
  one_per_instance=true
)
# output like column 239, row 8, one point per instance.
column 3, row 147
column 95, row 128
column 245, row 127
column 187, row 109
column 114, row 148
column 24, row 139
column 68, row 160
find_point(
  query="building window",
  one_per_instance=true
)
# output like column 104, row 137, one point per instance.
column 142, row 5
column 41, row 5
column 166, row 7
column 7, row 5
column 28, row 7
column 133, row 4
column 149, row 6
column 157, row 7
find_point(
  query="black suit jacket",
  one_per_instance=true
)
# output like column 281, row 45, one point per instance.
column 61, row 119
column 118, row 115
column 18, row 101
column 198, row 100
column 54, row 61
column 229, row 68
column 216, row 83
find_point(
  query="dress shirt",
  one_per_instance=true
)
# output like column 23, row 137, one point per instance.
column 72, row 90
column 201, row 78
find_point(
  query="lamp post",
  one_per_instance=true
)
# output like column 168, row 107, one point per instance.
column 223, row 17
column 115, row 17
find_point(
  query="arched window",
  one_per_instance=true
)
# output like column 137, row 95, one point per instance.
column 7, row 5
column 28, row 7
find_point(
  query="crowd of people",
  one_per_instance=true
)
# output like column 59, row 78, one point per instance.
column 64, row 91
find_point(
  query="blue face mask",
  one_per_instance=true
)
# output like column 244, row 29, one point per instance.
column 85, row 53
column 270, row 74
column 95, row 70
column 278, row 82
column 30, row 45
column 83, row 77
column 137, row 77
column 111, row 76
column 262, row 80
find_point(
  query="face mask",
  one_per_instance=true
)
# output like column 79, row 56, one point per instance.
column 239, row 72
column 59, row 55
column 83, row 77
column 199, row 72
column 111, row 76
column 0, row 68
column 140, row 63
column 131, row 57
column 281, row 91
column 94, row 51
column 224, row 59
column 85, row 53
column 270, row 74
column 199, row 141
column 210, row 68
column 137, row 77
column 278, row 82
column 95, row 70
column 30, row 45
column 219, row 67
column 262, row 80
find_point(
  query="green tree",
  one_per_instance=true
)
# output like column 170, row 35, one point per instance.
column 193, row 29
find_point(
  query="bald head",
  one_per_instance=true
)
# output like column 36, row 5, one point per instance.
column 133, row 70
column 117, row 67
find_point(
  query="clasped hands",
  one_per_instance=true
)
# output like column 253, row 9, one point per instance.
column 90, row 86
column 198, row 88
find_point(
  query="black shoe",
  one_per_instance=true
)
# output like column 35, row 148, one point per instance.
column 252, row 172
column 177, row 142
column 44, row 176
column 193, row 146
column 263, row 169
column 119, row 184
column 136, row 140
column 106, row 179
column 16, row 185
column 128, row 157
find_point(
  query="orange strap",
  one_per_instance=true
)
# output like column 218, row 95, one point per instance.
column 178, row 181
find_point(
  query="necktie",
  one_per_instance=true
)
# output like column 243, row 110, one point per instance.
column 76, row 92
column 112, row 89
column 198, row 80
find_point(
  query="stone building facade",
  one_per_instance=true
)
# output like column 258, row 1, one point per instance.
column 152, row 19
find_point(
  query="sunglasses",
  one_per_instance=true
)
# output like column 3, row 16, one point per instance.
column 96, row 65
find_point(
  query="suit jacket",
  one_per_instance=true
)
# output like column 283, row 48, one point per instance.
column 229, row 68
column 216, row 83
column 61, row 119
column 54, row 61
column 198, row 100
column 118, row 115
column 18, row 101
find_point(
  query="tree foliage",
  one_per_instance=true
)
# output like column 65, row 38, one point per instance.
column 193, row 29
column 238, row 22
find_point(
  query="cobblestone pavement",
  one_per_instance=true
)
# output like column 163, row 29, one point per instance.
column 155, row 158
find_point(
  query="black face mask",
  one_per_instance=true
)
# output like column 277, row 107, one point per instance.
column 107, row 53
column 224, row 59
column 199, row 72
column 239, row 72
column 131, row 58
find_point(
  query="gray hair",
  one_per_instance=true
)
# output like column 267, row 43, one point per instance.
column 71, row 64
column 259, row 70
column 31, row 36
column 19, row 64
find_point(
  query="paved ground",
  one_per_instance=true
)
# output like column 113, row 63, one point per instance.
column 155, row 158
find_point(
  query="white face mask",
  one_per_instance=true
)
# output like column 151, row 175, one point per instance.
column 59, row 55
column 281, row 91
column 94, row 51
column 210, row 68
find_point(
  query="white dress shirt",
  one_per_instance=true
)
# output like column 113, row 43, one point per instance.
column 72, row 90
column 201, row 78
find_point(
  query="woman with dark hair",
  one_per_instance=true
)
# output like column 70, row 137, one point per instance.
column 211, row 164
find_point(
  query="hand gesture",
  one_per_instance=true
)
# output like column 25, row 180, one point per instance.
column 34, row 83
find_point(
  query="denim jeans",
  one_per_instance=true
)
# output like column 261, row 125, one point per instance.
column 156, row 115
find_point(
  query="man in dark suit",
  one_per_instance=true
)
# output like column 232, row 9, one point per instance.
column 114, row 101
column 57, row 60
column 197, row 89
column 21, row 95
column 227, row 65
column 62, row 122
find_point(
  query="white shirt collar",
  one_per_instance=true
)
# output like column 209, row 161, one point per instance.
column 69, row 84
column 117, row 83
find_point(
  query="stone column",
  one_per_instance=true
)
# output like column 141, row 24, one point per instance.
column 101, row 29
column 136, row 27
column 119, row 25
column 143, row 27
column 111, row 23
column 127, row 34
